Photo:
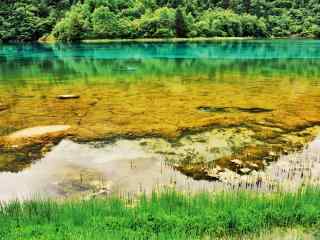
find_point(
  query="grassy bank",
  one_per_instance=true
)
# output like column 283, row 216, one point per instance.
column 168, row 215
column 51, row 39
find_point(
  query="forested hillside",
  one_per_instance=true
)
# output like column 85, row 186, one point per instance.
column 71, row 20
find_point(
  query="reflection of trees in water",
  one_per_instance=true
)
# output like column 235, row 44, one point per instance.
column 249, row 49
column 56, row 63
column 253, row 49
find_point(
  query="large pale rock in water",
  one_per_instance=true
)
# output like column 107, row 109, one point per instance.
column 36, row 135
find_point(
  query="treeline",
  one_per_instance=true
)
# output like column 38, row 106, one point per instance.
column 72, row 20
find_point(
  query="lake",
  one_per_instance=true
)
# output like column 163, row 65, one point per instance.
column 199, row 113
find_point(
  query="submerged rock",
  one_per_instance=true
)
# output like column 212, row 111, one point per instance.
column 3, row 107
column 35, row 135
column 48, row 38
column 93, row 102
column 68, row 96
column 245, row 170
column 237, row 162
column 210, row 109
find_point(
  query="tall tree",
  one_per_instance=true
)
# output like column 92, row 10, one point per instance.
column 176, row 3
column 226, row 4
column 181, row 24
column 247, row 5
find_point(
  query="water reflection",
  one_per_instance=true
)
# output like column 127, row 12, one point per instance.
column 72, row 169
column 132, row 62
column 248, row 49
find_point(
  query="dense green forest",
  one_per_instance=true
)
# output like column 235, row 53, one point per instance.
column 71, row 20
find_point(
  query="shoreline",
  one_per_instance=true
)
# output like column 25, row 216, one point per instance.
column 164, row 40
column 52, row 40
column 186, row 40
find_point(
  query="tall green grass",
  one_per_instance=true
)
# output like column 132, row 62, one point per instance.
column 169, row 215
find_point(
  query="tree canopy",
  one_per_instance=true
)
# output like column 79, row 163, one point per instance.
column 72, row 20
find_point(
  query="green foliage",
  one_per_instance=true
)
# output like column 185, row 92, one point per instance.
column 229, row 24
column 315, row 31
column 74, row 26
column 220, row 24
column 169, row 215
column 157, row 24
column 280, row 26
column 107, row 24
column 253, row 26
column 27, row 20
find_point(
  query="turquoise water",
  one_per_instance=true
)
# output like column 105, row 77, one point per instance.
column 249, row 49
column 21, row 64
